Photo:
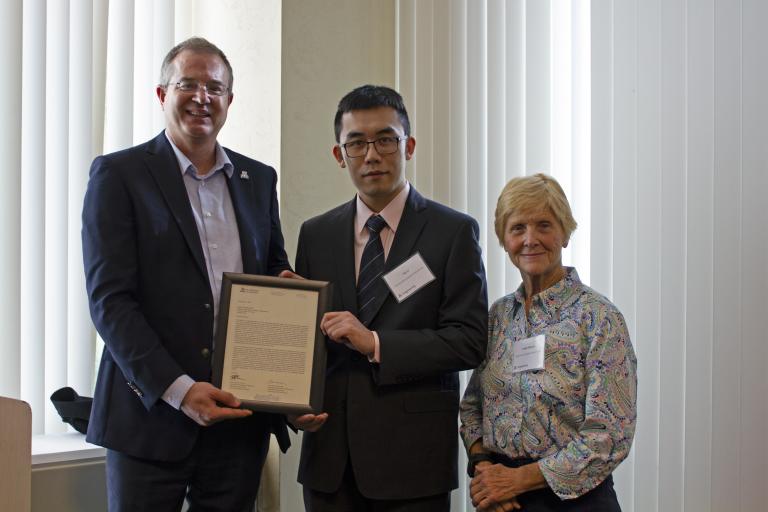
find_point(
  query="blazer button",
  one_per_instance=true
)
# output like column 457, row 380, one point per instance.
column 205, row 353
column 207, row 306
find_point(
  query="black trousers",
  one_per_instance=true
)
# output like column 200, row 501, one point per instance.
column 600, row 499
column 349, row 499
column 220, row 475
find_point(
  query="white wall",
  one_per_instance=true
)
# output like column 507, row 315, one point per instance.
column 329, row 48
column 249, row 34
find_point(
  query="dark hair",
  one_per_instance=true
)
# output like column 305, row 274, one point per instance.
column 195, row 45
column 371, row 96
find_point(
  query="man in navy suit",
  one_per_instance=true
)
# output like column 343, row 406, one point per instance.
column 389, row 442
column 161, row 222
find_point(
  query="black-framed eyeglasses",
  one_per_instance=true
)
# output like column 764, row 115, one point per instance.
column 384, row 146
column 192, row 86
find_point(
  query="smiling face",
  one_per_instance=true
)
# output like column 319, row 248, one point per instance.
column 534, row 242
column 377, row 178
column 195, row 118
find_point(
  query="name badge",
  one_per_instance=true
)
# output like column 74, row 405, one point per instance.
column 408, row 277
column 528, row 354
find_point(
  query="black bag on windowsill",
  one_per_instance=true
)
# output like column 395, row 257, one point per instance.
column 73, row 408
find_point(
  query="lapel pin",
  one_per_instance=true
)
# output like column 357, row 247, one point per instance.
column 244, row 175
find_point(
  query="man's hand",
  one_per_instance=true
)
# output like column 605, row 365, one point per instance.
column 344, row 327
column 308, row 422
column 201, row 403
column 289, row 274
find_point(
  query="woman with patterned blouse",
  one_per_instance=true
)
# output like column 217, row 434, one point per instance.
column 550, row 413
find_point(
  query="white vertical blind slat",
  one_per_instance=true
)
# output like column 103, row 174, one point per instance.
column 601, row 144
column 699, row 238
column 458, row 102
column 648, row 328
column 727, row 249
column 622, row 148
column 561, row 95
column 10, row 206
column 56, row 210
column 441, row 118
column 99, row 65
column 537, row 86
column 118, row 101
column 561, row 105
column 754, row 310
column 477, row 116
column 672, row 239
column 425, row 81
column 405, row 70
column 495, row 257
column 515, row 116
column 145, row 77
column 580, row 133
column 33, row 210
column 80, row 334
column 162, row 41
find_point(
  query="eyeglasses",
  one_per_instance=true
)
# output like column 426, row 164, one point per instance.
column 192, row 86
column 383, row 145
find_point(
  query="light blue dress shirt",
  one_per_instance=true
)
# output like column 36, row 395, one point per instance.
column 217, row 226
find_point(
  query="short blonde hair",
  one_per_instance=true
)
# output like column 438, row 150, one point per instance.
column 532, row 194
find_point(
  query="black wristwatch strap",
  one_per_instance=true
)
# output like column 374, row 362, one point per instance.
column 474, row 459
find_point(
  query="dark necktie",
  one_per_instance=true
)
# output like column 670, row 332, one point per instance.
column 370, row 286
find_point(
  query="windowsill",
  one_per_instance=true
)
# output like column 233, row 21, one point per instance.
column 63, row 448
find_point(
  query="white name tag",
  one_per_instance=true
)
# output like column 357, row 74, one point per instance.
column 408, row 277
column 528, row 354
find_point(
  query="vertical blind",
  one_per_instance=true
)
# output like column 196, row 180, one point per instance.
column 81, row 77
column 498, row 89
column 652, row 116
column 71, row 66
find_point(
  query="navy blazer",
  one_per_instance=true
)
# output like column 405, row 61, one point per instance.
column 397, row 421
column 149, row 294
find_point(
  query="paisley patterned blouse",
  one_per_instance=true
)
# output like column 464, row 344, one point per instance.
column 576, row 417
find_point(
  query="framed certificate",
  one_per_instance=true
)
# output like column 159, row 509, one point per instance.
column 269, row 351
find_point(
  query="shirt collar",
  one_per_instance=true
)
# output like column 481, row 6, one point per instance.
column 185, row 164
column 392, row 213
column 555, row 297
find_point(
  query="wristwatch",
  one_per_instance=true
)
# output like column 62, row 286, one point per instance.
column 473, row 459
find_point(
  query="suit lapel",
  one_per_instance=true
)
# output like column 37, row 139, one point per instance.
column 408, row 231
column 343, row 239
column 243, row 202
column 164, row 168
column 411, row 224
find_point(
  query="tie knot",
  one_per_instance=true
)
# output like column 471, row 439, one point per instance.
column 375, row 223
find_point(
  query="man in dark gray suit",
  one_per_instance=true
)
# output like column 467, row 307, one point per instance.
column 389, row 442
column 161, row 222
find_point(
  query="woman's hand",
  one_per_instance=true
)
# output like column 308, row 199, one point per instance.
column 494, row 486
column 498, row 486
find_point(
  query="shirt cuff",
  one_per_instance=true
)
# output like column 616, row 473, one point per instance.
column 176, row 392
column 376, row 357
